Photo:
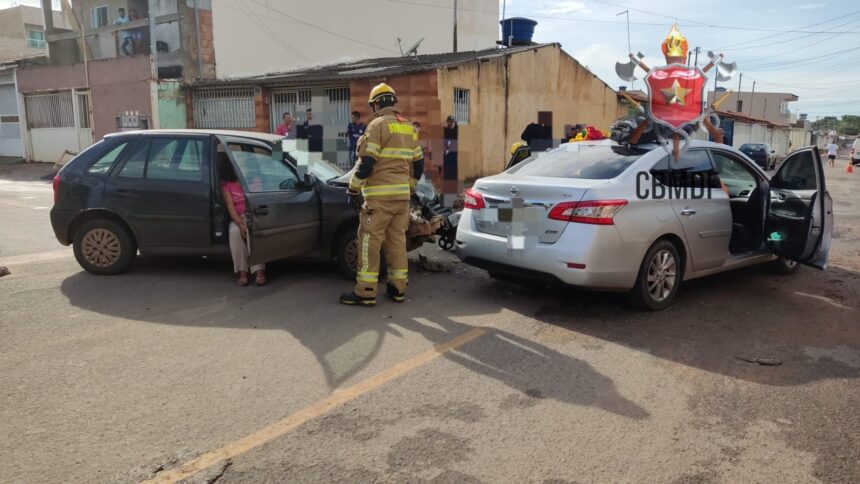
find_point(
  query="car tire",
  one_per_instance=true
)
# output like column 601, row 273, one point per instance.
column 659, row 277
column 104, row 247
column 347, row 255
column 784, row 266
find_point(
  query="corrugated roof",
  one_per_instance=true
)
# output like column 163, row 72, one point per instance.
column 372, row 68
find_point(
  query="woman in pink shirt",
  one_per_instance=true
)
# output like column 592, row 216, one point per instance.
column 234, row 199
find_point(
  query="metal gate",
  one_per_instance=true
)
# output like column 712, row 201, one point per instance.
column 295, row 102
column 231, row 107
column 11, row 141
column 59, row 123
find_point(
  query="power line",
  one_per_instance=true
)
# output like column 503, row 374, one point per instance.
column 265, row 28
column 587, row 20
column 322, row 29
column 726, row 47
column 789, row 40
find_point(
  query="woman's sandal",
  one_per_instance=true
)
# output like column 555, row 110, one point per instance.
column 261, row 278
column 243, row 279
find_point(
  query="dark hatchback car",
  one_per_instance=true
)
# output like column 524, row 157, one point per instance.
column 761, row 153
column 157, row 192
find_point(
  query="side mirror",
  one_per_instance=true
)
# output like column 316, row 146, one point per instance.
column 309, row 181
column 773, row 151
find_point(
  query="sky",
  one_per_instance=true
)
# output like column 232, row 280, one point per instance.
column 821, row 68
column 810, row 48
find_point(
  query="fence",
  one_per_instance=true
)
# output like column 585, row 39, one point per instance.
column 224, row 108
column 53, row 110
column 294, row 102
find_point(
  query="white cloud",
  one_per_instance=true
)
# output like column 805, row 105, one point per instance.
column 562, row 8
column 811, row 6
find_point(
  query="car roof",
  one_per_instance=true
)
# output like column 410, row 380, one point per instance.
column 649, row 146
column 222, row 132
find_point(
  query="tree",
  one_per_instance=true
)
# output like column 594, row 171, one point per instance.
column 848, row 124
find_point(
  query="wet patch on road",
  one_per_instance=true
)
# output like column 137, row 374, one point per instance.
column 427, row 450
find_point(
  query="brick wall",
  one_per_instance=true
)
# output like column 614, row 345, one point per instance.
column 418, row 101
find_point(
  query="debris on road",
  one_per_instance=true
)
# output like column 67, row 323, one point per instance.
column 761, row 361
column 4, row 271
column 430, row 265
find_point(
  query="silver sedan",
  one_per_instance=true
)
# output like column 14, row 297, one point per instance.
column 604, row 216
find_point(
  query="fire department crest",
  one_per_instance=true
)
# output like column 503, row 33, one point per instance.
column 676, row 94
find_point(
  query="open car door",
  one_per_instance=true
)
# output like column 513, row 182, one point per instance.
column 799, row 220
column 283, row 211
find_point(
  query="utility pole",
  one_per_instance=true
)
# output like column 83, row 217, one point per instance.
column 752, row 96
column 455, row 26
column 689, row 56
column 739, row 103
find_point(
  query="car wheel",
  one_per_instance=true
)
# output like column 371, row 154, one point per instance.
column 104, row 247
column 347, row 253
column 348, row 256
column 659, row 277
column 784, row 266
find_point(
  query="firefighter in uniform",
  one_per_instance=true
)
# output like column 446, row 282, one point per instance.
column 389, row 163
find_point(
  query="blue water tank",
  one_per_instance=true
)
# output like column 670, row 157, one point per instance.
column 517, row 31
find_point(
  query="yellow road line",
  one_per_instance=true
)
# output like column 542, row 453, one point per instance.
column 321, row 407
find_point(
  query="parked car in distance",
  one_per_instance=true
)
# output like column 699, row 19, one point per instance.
column 855, row 152
column 605, row 216
column 761, row 153
column 158, row 192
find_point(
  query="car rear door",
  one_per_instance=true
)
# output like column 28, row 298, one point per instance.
column 163, row 190
column 705, row 212
column 799, row 220
column 283, row 212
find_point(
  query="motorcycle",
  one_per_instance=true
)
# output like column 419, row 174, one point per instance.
column 429, row 219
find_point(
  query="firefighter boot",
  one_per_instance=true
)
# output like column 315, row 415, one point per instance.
column 351, row 299
column 395, row 294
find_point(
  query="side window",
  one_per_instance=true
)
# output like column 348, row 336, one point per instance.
column 173, row 159
column 135, row 165
column 738, row 179
column 694, row 169
column 260, row 171
column 797, row 173
column 104, row 164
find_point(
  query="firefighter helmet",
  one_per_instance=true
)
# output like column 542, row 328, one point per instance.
column 380, row 91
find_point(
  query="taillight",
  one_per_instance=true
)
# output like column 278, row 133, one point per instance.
column 473, row 199
column 597, row 212
column 56, row 189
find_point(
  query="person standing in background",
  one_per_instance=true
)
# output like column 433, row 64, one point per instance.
column 354, row 130
column 832, row 150
column 286, row 128
column 125, row 37
column 450, row 175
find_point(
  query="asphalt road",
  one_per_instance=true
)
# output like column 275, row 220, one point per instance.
column 172, row 369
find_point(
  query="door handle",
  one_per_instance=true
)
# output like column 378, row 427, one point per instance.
column 688, row 211
column 261, row 210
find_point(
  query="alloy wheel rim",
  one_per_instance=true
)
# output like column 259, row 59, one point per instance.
column 101, row 247
column 351, row 254
column 661, row 275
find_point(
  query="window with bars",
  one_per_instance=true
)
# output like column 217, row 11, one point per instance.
column 224, row 108
column 50, row 110
column 461, row 106
column 83, row 99
column 338, row 99
column 293, row 102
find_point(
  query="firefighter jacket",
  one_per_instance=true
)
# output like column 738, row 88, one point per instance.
column 389, row 158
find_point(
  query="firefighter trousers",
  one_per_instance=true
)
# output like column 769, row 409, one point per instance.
column 382, row 226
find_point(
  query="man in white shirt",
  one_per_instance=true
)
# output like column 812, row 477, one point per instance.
column 125, row 36
column 832, row 148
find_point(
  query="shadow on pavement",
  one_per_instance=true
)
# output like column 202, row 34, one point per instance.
column 343, row 339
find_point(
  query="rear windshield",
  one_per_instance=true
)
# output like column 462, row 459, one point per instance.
column 580, row 161
column 752, row 147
